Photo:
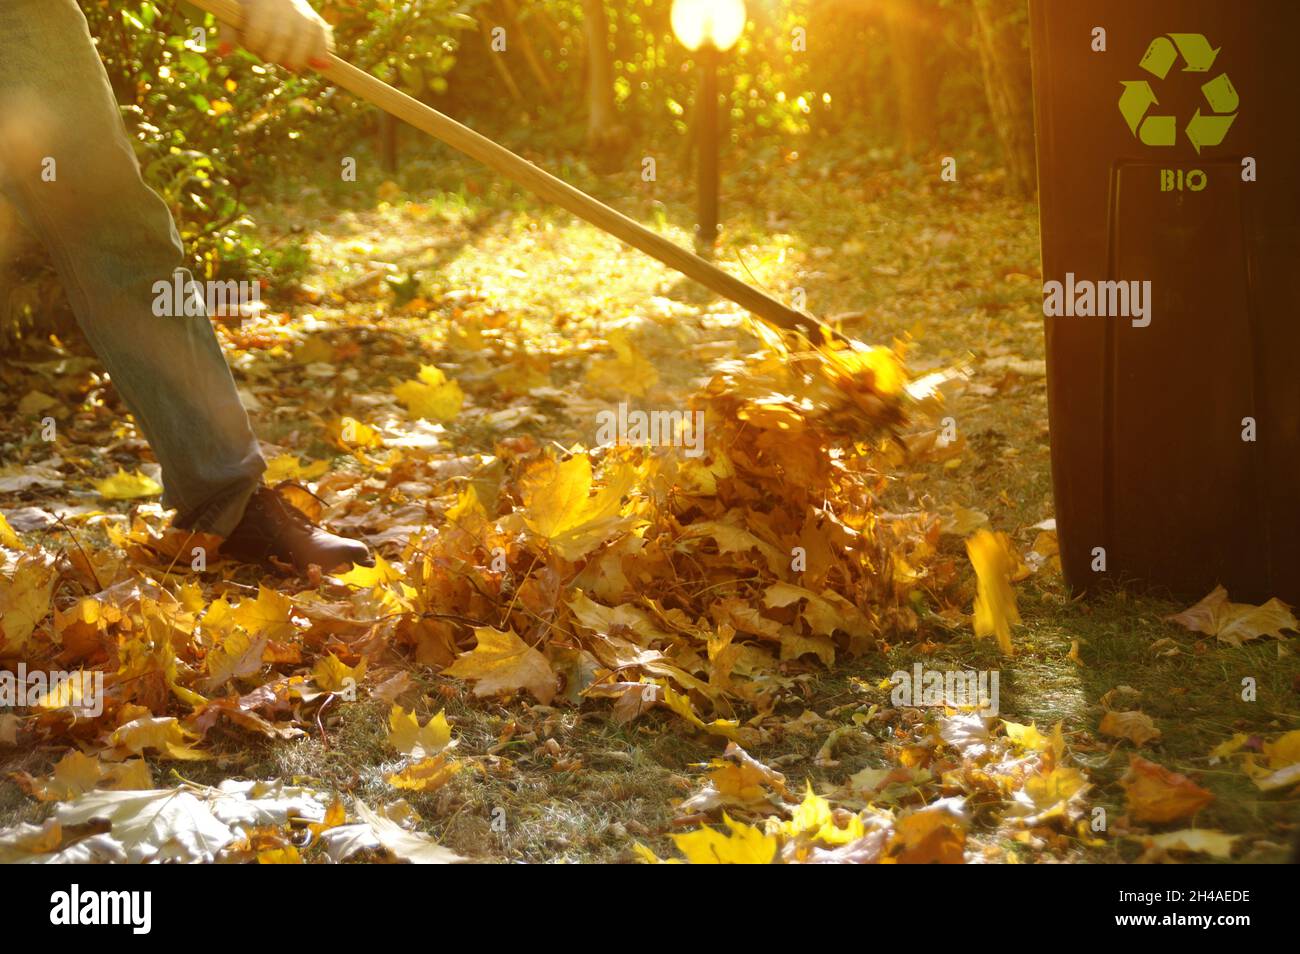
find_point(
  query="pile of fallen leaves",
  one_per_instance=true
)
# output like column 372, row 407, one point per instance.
column 697, row 584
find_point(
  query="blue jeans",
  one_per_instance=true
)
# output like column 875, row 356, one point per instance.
column 111, row 238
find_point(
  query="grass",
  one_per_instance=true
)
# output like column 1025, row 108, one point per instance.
column 950, row 269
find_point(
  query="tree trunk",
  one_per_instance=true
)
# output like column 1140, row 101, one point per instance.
column 604, row 135
column 912, row 27
column 1002, row 37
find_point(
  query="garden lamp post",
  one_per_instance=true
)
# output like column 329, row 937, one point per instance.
column 709, row 28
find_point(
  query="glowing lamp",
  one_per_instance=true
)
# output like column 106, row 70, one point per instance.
column 715, row 23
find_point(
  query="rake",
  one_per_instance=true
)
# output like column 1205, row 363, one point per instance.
column 546, row 186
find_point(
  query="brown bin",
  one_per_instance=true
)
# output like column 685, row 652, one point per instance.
column 1150, row 461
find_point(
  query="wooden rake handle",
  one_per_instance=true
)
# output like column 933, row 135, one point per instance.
column 543, row 184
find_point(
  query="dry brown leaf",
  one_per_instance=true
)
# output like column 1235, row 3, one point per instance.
column 1235, row 623
column 1157, row 794
column 1135, row 726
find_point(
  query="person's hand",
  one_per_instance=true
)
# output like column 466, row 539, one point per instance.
column 288, row 32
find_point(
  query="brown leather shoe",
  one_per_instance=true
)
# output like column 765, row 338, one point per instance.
column 272, row 527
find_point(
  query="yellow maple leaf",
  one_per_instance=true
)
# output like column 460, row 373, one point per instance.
column 288, row 855
column 406, row 735
column 648, row 857
column 628, row 372
column 288, row 467
column 559, row 506
column 504, row 663
column 1025, row 736
column 124, row 486
column 74, row 692
column 467, row 508
column 742, row 845
column 351, row 434
column 7, row 536
column 432, row 395
column 679, row 703
column 268, row 615
column 1284, row 750
column 994, row 560
column 1050, row 794
column 366, row 577
column 334, row 675
column 238, row 654
column 879, row 367
column 74, row 774
column 131, row 775
column 24, row 600
column 163, row 734
column 814, row 818
column 427, row 775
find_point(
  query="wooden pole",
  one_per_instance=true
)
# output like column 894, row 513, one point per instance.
column 706, row 111
column 543, row 184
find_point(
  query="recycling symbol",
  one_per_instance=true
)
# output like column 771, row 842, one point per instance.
column 1203, row 129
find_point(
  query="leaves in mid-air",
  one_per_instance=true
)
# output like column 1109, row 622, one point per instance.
column 994, row 560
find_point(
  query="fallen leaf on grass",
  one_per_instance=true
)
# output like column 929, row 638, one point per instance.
column 124, row 486
column 426, row 775
column 162, row 734
column 366, row 577
column 1283, row 763
column 182, row 825
column 1135, row 726
column 77, row 773
column 412, row 846
column 1202, row 841
column 7, row 536
column 74, row 774
column 406, row 735
column 289, row 467
column 813, row 820
column 1026, row 737
column 334, row 675
column 431, row 396
column 1156, row 794
column 1052, row 795
column 932, row 835
column 1235, row 623
column 502, row 663
column 741, row 845
column 24, row 601
column 237, row 655
column 680, row 703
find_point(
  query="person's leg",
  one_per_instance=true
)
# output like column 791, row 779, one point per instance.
column 67, row 164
